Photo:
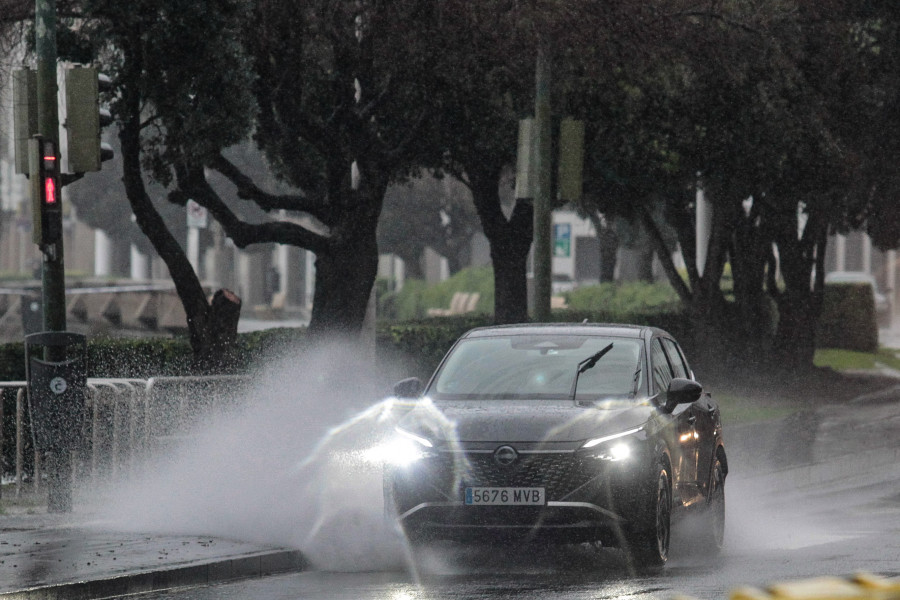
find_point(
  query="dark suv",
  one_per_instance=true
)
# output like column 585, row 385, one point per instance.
column 569, row 433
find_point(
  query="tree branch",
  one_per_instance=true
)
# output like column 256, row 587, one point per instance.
column 192, row 181
column 248, row 190
column 665, row 257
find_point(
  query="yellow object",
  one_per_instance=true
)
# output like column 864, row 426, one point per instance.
column 819, row 588
column 863, row 586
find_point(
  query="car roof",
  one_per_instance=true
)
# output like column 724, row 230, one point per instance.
column 599, row 329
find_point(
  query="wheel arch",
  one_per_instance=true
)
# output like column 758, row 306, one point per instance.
column 720, row 454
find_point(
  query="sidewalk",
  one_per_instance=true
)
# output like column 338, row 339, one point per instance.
column 67, row 556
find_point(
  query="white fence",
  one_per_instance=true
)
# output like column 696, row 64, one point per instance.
column 126, row 418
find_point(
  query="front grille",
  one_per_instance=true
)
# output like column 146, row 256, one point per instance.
column 559, row 474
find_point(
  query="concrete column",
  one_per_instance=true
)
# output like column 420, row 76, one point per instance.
column 140, row 265
column 252, row 277
column 703, row 228
column 866, row 253
column 309, row 279
column 193, row 249
column 292, row 275
column 840, row 254
column 892, row 282
column 220, row 261
column 282, row 260
column 102, row 254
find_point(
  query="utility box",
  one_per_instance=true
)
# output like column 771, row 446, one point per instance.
column 56, row 390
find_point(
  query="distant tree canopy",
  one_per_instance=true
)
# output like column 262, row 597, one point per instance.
column 783, row 111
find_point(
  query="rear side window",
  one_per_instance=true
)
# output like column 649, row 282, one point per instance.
column 676, row 359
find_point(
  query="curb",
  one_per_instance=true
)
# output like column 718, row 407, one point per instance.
column 244, row 567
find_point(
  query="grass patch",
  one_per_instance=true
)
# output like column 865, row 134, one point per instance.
column 889, row 357
column 743, row 409
column 841, row 360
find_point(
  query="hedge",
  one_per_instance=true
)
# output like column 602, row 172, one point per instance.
column 416, row 297
column 625, row 297
column 416, row 345
column 848, row 319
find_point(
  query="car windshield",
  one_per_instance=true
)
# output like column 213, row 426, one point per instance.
column 538, row 367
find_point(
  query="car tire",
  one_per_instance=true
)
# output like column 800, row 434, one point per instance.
column 649, row 544
column 713, row 536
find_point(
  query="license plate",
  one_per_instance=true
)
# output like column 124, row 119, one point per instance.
column 505, row 496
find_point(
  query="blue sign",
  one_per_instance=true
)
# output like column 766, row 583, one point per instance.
column 562, row 240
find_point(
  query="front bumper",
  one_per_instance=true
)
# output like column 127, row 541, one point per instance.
column 588, row 499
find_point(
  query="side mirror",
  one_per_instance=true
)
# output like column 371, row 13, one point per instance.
column 682, row 391
column 408, row 388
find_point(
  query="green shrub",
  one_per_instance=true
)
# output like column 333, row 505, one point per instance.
column 848, row 318
column 416, row 297
column 626, row 297
column 421, row 344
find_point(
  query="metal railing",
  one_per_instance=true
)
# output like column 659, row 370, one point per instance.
column 126, row 419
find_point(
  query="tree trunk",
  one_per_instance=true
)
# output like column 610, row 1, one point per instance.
column 510, row 283
column 346, row 270
column 750, row 254
column 212, row 330
column 644, row 255
column 795, row 340
column 218, row 338
column 344, row 278
column 609, row 247
column 510, row 241
column 800, row 303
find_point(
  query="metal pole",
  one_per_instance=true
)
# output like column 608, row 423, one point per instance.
column 20, row 442
column 53, row 271
column 542, row 200
column 2, row 392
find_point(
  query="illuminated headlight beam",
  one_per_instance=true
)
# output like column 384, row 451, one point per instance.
column 608, row 438
column 401, row 451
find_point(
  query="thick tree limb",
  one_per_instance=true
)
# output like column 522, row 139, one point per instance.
column 659, row 244
column 241, row 233
column 248, row 190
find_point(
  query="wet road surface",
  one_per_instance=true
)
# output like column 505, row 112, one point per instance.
column 837, row 517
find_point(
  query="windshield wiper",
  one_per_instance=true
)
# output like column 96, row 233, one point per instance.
column 586, row 364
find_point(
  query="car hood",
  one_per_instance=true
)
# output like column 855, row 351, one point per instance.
column 523, row 420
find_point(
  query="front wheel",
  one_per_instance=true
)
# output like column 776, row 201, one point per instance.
column 650, row 540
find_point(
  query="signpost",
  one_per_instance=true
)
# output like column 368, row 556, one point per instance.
column 562, row 240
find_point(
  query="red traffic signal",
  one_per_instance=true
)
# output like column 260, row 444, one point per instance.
column 49, row 172
column 45, row 191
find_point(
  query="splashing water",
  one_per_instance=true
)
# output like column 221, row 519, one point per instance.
column 286, row 466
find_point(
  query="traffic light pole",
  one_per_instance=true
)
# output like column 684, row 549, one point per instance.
column 53, row 271
column 53, row 268
column 542, row 194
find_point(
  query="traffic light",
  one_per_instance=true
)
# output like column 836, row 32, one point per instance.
column 85, row 118
column 43, row 159
column 25, row 113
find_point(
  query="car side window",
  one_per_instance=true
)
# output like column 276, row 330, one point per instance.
column 662, row 372
column 676, row 359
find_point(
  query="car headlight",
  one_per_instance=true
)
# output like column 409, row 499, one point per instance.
column 402, row 450
column 613, row 448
